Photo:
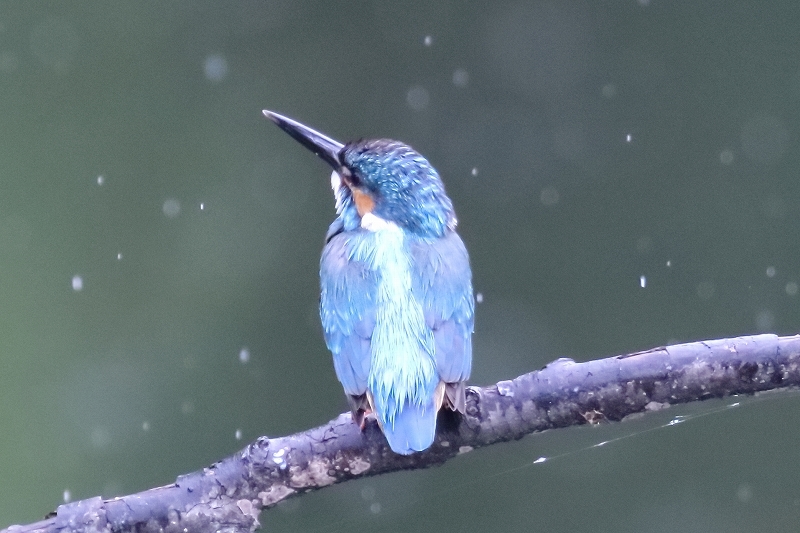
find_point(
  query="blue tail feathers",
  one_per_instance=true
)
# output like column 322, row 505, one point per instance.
column 413, row 429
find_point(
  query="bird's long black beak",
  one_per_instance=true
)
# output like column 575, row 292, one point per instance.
column 320, row 144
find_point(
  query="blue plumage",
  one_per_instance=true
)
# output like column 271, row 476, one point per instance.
column 396, row 293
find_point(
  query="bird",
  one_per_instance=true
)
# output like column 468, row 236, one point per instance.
column 396, row 298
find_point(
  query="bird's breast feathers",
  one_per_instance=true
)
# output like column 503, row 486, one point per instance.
column 402, row 347
column 397, row 312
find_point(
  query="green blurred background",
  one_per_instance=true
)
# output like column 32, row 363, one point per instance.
column 159, row 241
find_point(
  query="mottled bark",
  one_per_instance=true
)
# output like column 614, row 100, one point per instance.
column 229, row 495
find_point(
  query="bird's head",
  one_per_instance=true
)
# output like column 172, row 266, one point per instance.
column 379, row 178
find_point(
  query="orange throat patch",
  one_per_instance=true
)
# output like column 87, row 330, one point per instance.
column 364, row 202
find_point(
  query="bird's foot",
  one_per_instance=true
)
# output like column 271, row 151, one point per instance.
column 369, row 413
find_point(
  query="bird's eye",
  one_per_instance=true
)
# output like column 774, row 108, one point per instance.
column 349, row 177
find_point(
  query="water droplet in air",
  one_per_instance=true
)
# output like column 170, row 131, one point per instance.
column 238, row 434
column 77, row 283
column 549, row 196
column 765, row 320
column 460, row 77
column 771, row 272
column 215, row 68
column 744, row 493
column 791, row 288
column 244, row 355
column 100, row 179
column 100, row 437
column 642, row 281
column 171, row 208
column 705, row 290
column 428, row 40
column 764, row 139
column 418, row 98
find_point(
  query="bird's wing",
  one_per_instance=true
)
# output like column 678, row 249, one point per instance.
column 347, row 309
column 444, row 280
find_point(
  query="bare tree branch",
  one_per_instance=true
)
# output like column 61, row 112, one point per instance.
column 229, row 495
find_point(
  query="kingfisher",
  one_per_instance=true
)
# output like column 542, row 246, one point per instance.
column 396, row 299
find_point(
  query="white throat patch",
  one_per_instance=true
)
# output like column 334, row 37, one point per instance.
column 375, row 223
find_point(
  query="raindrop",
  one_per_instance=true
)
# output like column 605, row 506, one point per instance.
column 375, row 508
column 744, row 493
column 540, row 460
column 77, row 283
column 202, row 206
column 765, row 320
column 171, row 208
column 244, row 355
column 67, row 496
column 669, row 263
column 764, row 139
column 215, row 68
column 417, row 98
column 100, row 437
column 628, row 138
column 549, row 196
column 791, row 288
column 145, row 426
column 705, row 290
column 474, row 171
column 771, row 272
column 479, row 298
column 238, row 434
column 642, row 281
column 428, row 40
column 187, row 407
column 460, row 77
column 119, row 256
column 101, row 179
